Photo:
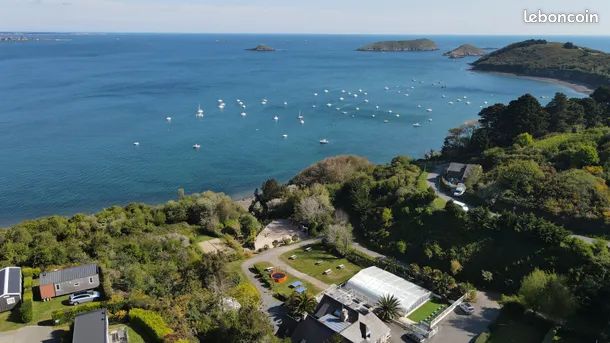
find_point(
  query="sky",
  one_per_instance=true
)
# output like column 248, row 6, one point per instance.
column 306, row 16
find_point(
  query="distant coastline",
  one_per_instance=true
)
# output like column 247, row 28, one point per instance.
column 580, row 88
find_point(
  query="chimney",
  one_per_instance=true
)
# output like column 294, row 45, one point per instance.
column 364, row 331
column 344, row 315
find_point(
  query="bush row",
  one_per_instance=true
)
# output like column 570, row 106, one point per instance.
column 27, row 282
column 151, row 323
column 264, row 275
column 30, row 272
column 61, row 317
column 26, row 310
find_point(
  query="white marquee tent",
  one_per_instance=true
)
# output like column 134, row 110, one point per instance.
column 374, row 283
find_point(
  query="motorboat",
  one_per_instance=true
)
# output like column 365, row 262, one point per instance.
column 324, row 141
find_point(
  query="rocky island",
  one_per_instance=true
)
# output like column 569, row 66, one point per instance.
column 465, row 50
column 560, row 61
column 262, row 47
column 401, row 45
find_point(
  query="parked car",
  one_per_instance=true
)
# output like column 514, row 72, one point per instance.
column 414, row 337
column 83, row 297
column 466, row 308
column 459, row 190
column 461, row 205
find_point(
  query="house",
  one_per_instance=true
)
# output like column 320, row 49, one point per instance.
column 459, row 172
column 10, row 285
column 91, row 327
column 69, row 280
column 340, row 314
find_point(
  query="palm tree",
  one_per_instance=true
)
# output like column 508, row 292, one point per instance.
column 388, row 308
column 300, row 303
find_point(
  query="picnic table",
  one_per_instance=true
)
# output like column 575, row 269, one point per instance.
column 300, row 289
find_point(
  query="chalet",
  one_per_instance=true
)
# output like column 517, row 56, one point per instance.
column 10, row 286
column 91, row 327
column 69, row 280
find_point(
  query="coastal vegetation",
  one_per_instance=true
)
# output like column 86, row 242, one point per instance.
column 148, row 261
column 563, row 61
column 422, row 44
column 465, row 50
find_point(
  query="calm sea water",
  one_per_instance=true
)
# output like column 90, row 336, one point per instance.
column 71, row 107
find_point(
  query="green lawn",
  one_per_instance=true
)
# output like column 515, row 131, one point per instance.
column 284, row 287
column 41, row 313
column 426, row 310
column 306, row 263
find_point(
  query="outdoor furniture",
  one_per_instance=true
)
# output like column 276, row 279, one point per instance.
column 308, row 249
column 268, row 269
column 300, row 289
column 318, row 263
column 327, row 271
column 296, row 284
column 293, row 257
column 341, row 266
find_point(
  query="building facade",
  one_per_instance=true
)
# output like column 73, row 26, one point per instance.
column 69, row 280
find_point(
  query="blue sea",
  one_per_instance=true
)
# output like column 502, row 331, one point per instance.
column 72, row 106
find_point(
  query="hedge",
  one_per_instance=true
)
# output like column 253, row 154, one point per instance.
column 151, row 323
column 65, row 316
column 27, row 282
column 26, row 310
column 30, row 272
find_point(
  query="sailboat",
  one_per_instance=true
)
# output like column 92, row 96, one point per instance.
column 199, row 112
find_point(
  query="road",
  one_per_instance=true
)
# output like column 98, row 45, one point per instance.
column 43, row 334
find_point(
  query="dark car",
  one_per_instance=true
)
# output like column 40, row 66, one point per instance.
column 414, row 337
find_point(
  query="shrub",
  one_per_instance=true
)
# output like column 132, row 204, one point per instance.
column 30, row 272
column 106, row 284
column 27, row 282
column 119, row 316
column 26, row 310
column 150, row 322
column 61, row 317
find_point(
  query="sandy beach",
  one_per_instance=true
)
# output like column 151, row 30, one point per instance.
column 574, row 86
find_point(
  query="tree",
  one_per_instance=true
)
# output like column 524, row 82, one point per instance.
column 547, row 293
column 524, row 140
column 388, row 308
column 339, row 236
column 487, row 275
column 301, row 303
column 455, row 267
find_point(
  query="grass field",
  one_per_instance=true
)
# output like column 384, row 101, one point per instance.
column 306, row 263
column 425, row 310
column 41, row 314
column 284, row 287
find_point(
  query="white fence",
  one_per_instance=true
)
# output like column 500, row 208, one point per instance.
column 448, row 310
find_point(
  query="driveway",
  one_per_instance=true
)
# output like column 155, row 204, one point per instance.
column 461, row 328
column 269, row 304
column 31, row 334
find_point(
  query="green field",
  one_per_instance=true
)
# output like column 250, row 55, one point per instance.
column 284, row 287
column 425, row 310
column 306, row 263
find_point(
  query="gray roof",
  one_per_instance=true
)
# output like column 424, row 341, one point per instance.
column 455, row 167
column 91, row 327
column 10, row 280
column 68, row 274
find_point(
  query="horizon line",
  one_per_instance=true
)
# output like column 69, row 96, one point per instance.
column 304, row 33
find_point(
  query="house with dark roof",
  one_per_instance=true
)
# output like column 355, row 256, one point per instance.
column 459, row 172
column 69, row 280
column 10, row 286
column 91, row 327
column 339, row 314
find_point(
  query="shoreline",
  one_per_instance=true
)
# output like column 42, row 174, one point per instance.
column 579, row 88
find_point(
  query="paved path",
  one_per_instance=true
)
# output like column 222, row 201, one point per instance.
column 461, row 328
column 31, row 334
column 366, row 251
column 269, row 304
